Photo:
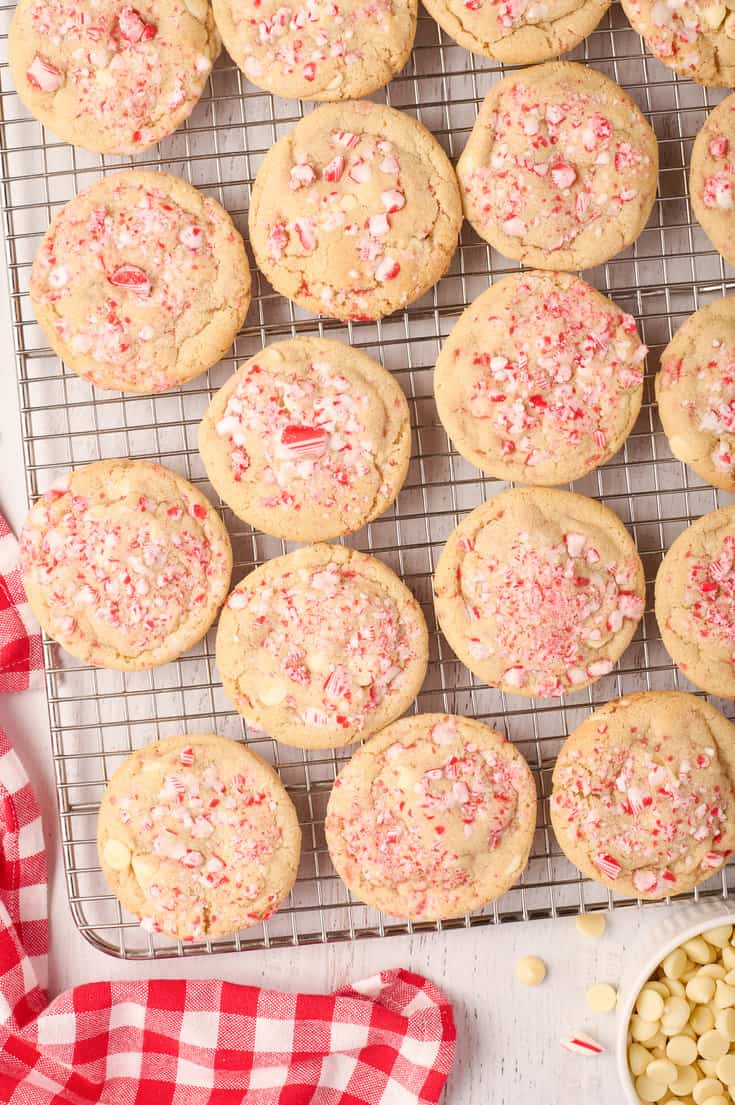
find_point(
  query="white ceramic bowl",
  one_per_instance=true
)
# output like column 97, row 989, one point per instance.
column 676, row 926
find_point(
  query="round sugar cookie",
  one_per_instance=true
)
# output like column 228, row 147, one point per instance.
column 318, row 49
column 692, row 37
column 643, row 797
column 198, row 837
column 322, row 646
column 560, row 169
column 125, row 564
column 309, row 439
column 521, row 33
column 712, row 176
column 432, row 817
column 112, row 77
column 141, row 282
column 540, row 379
column 695, row 389
column 355, row 213
column 695, row 602
column 539, row 591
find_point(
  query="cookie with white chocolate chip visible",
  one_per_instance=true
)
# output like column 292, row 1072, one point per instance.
column 693, row 37
column 318, row 49
column 643, row 796
column 539, row 591
column 432, row 818
column 355, row 212
column 111, row 77
column 560, row 170
column 197, row 837
column 712, row 176
column 310, row 439
column 141, row 282
column 322, row 646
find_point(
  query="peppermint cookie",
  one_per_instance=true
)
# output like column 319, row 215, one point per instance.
column 519, row 33
column 141, row 282
column 198, row 837
column 643, row 797
column 695, row 602
column 692, row 37
column 541, row 379
column 318, row 49
column 125, row 564
column 309, row 439
column 712, row 175
column 695, row 389
column 110, row 77
column 432, row 818
column 560, row 170
column 322, row 646
column 355, row 212
column 539, row 592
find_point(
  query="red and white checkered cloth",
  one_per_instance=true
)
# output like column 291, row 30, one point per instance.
column 21, row 657
column 386, row 1041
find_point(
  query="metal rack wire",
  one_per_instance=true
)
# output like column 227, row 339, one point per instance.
column 97, row 717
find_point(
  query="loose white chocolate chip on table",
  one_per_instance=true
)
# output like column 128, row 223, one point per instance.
column 602, row 997
column 530, row 971
column 591, row 925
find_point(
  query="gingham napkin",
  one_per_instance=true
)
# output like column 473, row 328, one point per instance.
column 388, row 1040
column 21, row 658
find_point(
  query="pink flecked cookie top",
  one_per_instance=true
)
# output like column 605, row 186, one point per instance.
column 109, row 76
column 309, row 440
column 694, row 37
column 431, row 818
column 712, row 176
column 141, row 282
column 643, row 794
column 197, row 837
column 541, row 378
column 560, row 170
column 125, row 563
column 322, row 646
column 539, row 591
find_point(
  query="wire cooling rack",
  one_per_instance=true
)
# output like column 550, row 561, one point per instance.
column 97, row 717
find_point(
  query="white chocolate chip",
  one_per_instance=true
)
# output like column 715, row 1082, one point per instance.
column 725, row 1023
column 601, row 997
column 685, row 1082
column 530, row 971
column 724, row 995
column 650, row 1004
column 642, row 1031
column 719, row 937
column 698, row 950
column 702, row 1019
column 726, row 1070
column 590, row 925
column 675, row 963
column 700, row 989
column 706, row 1088
column 144, row 869
column 639, row 1057
column 712, row 1045
column 648, row 1090
column 116, row 855
column 682, row 1050
column 662, row 1071
column 272, row 694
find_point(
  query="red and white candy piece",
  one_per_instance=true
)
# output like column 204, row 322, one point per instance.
column 132, row 277
column 304, row 441
column 581, row 1044
column 132, row 26
column 42, row 74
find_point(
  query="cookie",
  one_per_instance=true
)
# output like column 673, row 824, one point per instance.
column 110, row 77
column 322, row 646
column 197, row 837
column 712, row 176
column 432, row 818
column 309, row 439
column 695, row 602
column 695, row 389
column 518, row 34
column 643, row 797
column 355, row 212
column 560, row 169
column 318, row 49
column 141, row 282
column 541, row 379
column 539, row 592
column 125, row 564
column 693, row 38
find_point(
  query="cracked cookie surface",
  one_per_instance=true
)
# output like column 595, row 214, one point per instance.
column 322, row 646
column 643, row 794
column 695, row 602
column 318, row 49
column 432, row 817
column 560, row 170
column 696, row 39
column 518, row 32
column 109, row 76
column 539, row 591
column 695, row 390
column 540, row 379
column 712, row 177
column 309, row 439
column 197, row 837
column 141, row 282
column 125, row 563
column 355, row 212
